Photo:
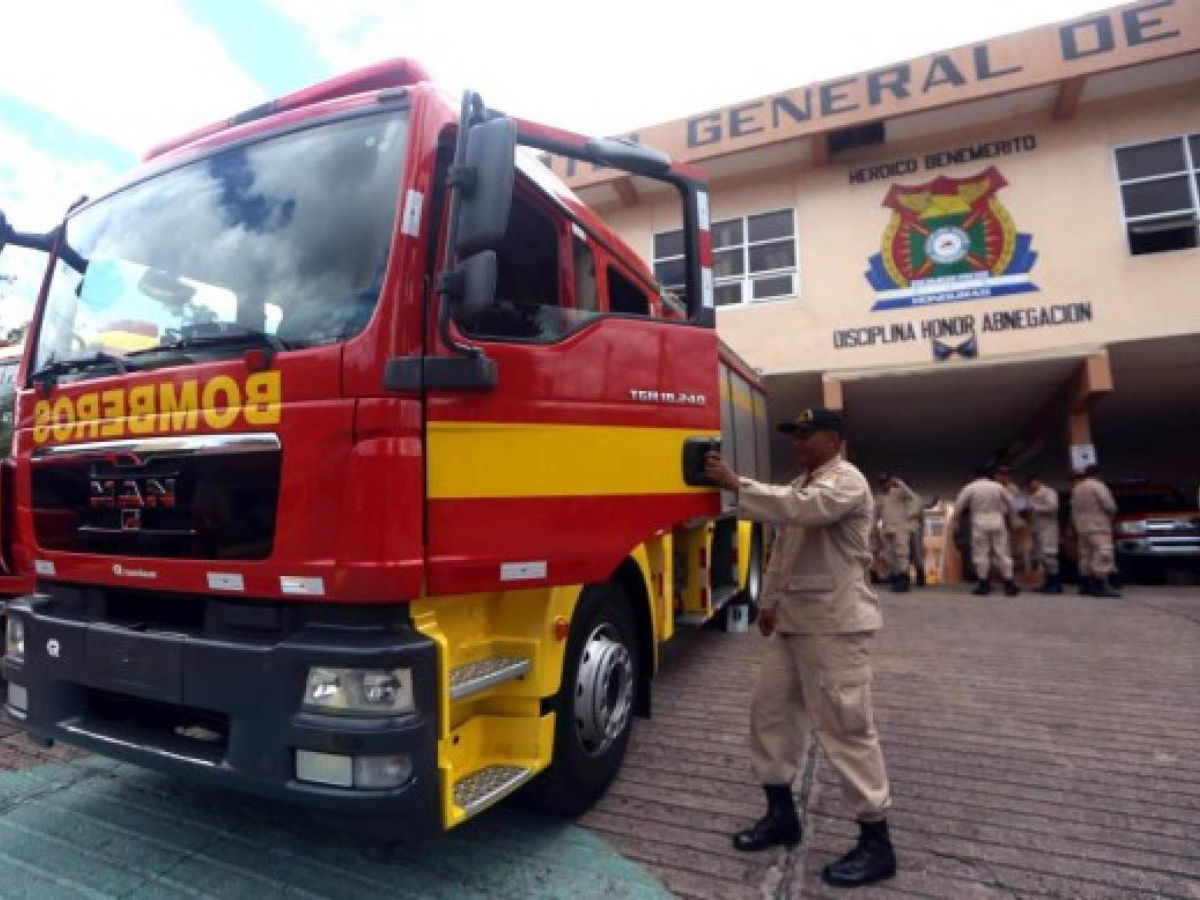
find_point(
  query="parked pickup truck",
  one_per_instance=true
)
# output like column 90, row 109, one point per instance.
column 1156, row 529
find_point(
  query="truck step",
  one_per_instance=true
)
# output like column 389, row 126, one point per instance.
column 720, row 597
column 482, row 788
column 474, row 677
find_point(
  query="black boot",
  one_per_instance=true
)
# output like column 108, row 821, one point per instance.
column 1010, row 588
column 873, row 859
column 1052, row 585
column 1102, row 588
column 781, row 824
column 900, row 584
column 1087, row 586
column 983, row 588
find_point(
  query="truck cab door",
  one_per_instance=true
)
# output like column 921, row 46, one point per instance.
column 554, row 473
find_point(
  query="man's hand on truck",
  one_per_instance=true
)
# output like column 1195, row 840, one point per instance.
column 719, row 473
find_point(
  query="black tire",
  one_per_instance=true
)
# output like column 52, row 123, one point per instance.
column 749, row 595
column 752, row 593
column 584, row 765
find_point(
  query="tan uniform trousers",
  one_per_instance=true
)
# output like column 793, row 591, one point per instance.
column 1096, row 553
column 916, row 547
column 820, row 683
column 1045, row 546
column 896, row 546
column 990, row 542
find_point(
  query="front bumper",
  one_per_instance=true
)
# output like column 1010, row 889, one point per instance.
column 226, row 710
column 1159, row 547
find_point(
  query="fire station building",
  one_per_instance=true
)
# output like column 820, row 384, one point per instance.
column 984, row 255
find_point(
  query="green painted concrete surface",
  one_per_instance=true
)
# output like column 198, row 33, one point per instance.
column 96, row 828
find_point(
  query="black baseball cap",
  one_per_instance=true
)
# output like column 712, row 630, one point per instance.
column 817, row 418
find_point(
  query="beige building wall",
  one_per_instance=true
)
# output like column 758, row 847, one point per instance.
column 1064, row 194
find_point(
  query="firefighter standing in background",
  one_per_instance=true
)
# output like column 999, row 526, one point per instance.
column 916, row 534
column 819, row 615
column 875, row 545
column 992, row 509
column 1004, row 478
column 1092, row 511
column 1043, row 523
column 896, row 504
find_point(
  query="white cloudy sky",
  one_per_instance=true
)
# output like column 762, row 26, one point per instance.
column 86, row 86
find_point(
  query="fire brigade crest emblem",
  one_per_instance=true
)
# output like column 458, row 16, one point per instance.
column 948, row 241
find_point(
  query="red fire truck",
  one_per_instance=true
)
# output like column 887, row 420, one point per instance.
column 359, row 463
column 12, row 583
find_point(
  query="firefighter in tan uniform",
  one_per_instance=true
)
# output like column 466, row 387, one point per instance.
column 820, row 616
column 916, row 531
column 1092, row 512
column 897, row 506
column 1043, row 525
column 992, row 508
column 1004, row 477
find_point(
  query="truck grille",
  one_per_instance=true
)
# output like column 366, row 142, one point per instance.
column 203, row 497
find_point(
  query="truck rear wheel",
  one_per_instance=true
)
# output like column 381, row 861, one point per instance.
column 752, row 592
column 594, row 707
column 749, row 595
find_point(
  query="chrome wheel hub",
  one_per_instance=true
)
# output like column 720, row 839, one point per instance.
column 603, row 690
column 754, row 579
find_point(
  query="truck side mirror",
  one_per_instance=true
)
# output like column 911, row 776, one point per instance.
column 630, row 157
column 470, row 287
column 485, row 183
column 4, row 231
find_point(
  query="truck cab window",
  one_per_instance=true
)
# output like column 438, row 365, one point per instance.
column 8, row 388
column 624, row 296
column 527, row 294
column 587, row 294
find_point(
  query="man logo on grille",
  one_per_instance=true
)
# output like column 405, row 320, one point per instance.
column 132, row 493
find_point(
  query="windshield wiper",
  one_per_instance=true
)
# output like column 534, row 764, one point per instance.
column 47, row 376
column 217, row 336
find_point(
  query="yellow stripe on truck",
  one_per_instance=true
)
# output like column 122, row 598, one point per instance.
column 504, row 459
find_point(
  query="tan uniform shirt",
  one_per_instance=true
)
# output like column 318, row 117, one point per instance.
column 1018, row 498
column 990, row 504
column 816, row 581
column 1043, row 505
column 1092, row 506
column 897, row 507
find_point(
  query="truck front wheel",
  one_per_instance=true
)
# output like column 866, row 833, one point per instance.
column 594, row 707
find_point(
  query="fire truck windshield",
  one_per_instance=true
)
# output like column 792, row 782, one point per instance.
column 287, row 237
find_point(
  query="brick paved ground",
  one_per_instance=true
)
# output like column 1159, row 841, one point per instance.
column 1038, row 747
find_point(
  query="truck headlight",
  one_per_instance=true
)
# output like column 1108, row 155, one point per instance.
column 1131, row 528
column 356, row 692
column 14, row 638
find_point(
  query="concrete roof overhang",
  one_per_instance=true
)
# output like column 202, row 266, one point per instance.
column 934, row 423
column 1050, row 87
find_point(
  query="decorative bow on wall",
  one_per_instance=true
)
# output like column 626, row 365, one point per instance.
column 968, row 349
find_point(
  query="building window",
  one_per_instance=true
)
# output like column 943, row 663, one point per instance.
column 1160, row 194
column 754, row 258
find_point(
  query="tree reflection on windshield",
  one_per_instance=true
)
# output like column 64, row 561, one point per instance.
column 288, row 236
